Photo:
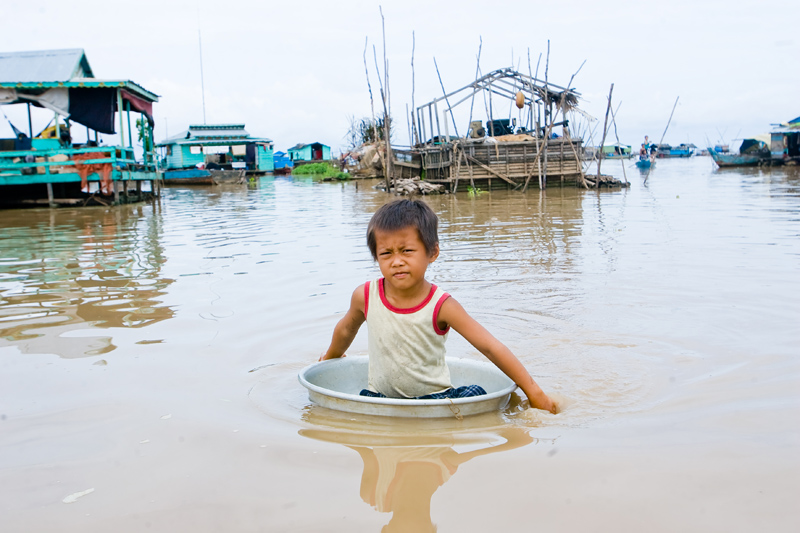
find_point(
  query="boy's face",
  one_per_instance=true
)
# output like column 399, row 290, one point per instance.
column 402, row 258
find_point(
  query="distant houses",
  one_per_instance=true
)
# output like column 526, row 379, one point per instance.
column 312, row 152
column 224, row 146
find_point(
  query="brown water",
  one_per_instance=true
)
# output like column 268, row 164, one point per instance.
column 151, row 352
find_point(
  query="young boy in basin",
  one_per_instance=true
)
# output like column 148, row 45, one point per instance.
column 409, row 318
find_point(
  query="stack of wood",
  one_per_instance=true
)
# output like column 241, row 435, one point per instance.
column 605, row 181
column 414, row 185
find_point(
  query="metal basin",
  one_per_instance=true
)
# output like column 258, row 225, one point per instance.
column 335, row 384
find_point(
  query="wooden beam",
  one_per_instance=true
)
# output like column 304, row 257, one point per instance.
column 489, row 169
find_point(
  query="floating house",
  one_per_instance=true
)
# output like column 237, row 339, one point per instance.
column 538, row 151
column 51, row 167
column 216, row 147
column 616, row 151
column 785, row 141
column 309, row 153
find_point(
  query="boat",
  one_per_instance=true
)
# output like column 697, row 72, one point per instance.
column 336, row 384
column 753, row 151
column 724, row 160
column 645, row 162
column 682, row 150
column 204, row 176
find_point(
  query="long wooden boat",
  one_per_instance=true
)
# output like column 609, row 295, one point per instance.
column 202, row 176
column 724, row 160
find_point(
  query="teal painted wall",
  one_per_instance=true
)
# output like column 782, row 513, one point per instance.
column 183, row 158
column 305, row 153
column 265, row 158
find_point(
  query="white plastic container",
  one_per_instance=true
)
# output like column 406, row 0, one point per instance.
column 336, row 384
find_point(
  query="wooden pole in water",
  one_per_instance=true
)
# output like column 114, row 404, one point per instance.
column 387, row 127
column 414, row 132
column 603, row 141
column 446, row 100
column 616, row 134
column 543, row 176
column 670, row 120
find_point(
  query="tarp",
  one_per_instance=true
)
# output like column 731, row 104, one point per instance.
column 92, row 107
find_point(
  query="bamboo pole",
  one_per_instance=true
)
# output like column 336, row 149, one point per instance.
column 670, row 120
column 543, row 175
column 616, row 135
column 446, row 100
column 414, row 131
column 374, row 129
column 603, row 140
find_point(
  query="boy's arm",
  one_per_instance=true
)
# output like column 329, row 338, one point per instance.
column 452, row 314
column 346, row 329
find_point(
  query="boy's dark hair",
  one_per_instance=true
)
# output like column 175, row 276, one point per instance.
column 401, row 214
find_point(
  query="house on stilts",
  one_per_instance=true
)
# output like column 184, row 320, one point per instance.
column 58, row 166
column 504, row 130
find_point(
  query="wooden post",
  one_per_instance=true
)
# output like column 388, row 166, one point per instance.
column 30, row 124
column 121, row 121
column 603, row 141
column 50, row 201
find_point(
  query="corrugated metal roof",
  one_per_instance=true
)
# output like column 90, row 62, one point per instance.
column 213, row 134
column 44, row 65
column 300, row 146
column 37, row 86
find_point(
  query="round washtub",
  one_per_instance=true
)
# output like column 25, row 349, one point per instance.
column 335, row 384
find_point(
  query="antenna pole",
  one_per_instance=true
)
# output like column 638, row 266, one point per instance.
column 202, row 84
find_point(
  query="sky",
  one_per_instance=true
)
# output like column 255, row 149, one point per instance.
column 294, row 72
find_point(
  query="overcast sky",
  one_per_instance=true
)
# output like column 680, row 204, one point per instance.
column 294, row 71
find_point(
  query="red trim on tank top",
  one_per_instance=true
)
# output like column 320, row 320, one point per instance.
column 436, row 309
column 366, row 298
column 399, row 310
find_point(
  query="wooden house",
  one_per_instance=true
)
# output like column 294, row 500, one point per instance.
column 223, row 146
column 499, row 152
column 309, row 153
column 51, row 167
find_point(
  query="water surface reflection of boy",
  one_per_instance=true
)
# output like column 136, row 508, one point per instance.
column 409, row 318
column 401, row 478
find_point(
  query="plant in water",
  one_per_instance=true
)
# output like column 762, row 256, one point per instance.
column 321, row 170
column 472, row 192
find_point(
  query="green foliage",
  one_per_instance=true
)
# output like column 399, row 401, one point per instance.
column 367, row 131
column 473, row 192
column 322, row 170
column 144, row 134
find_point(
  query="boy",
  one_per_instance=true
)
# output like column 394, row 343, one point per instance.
column 408, row 317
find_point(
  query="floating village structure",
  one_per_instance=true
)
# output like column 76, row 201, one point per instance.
column 538, row 151
column 309, row 153
column 785, row 141
column 213, row 152
column 50, row 168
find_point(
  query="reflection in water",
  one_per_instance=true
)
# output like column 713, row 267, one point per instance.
column 64, row 270
column 402, row 472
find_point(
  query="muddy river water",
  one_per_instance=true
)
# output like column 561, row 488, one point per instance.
column 149, row 358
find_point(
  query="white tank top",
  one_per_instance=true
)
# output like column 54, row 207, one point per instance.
column 406, row 347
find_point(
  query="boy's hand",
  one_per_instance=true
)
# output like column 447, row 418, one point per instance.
column 322, row 357
column 545, row 403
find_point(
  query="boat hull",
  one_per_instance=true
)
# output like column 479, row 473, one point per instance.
column 735, row 160
column 201, row 176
